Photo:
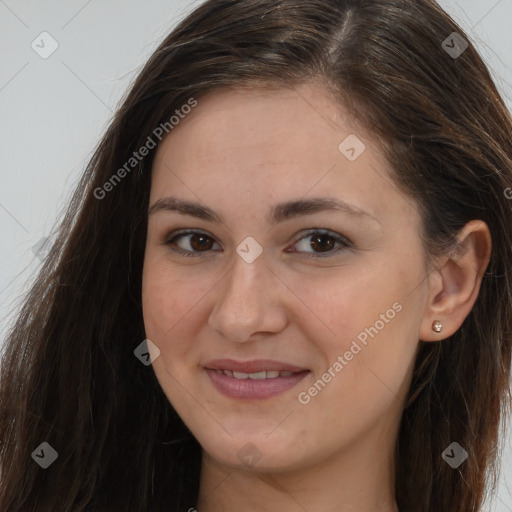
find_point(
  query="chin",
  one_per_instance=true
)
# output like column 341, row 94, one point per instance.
column 258, row 453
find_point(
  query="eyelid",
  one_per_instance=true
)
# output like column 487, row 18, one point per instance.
column 184, row 232
column 341, row 239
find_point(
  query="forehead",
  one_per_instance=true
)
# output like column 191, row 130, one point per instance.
column 259, row 146
column 258, row 125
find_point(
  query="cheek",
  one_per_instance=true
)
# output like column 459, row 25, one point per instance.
column 341, row 304
column 368, row 315
column 167, row 302
column 159, row 304
column 167, row 299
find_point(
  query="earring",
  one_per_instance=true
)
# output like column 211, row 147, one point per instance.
column 437, row 326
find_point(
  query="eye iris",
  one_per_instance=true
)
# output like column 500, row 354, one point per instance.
column 204, row 242
column 316, row 240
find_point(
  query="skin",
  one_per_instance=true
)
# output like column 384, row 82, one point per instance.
column 240, row 152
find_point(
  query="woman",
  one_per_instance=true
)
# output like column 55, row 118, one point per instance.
column 283, row 282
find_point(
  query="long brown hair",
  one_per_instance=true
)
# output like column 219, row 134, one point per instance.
column 69, row 376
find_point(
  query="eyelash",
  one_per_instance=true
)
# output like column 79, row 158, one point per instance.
column 345, row 243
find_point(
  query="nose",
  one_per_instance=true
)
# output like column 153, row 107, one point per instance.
column 248, row 301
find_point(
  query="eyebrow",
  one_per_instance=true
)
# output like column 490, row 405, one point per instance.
column 279, row 213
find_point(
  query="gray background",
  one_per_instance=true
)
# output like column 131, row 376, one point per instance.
column 53, row 112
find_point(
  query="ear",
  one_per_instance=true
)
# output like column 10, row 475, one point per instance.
column 455, row 284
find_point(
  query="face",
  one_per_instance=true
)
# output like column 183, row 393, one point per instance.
column 287, row 303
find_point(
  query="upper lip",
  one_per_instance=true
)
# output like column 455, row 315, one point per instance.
column 254, row 366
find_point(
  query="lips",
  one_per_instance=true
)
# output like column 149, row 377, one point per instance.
column 265, row 374
column 256, row 379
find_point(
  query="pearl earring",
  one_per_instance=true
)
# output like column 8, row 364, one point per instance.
column 437, row 326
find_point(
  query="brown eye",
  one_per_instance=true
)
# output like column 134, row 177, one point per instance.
column 200, row 242
column 189, row 243
column 322, row 242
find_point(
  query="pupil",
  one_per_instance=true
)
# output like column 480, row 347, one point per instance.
column 203, row 242
column 327, row 245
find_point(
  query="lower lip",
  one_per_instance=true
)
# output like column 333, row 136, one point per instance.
column 253, row 389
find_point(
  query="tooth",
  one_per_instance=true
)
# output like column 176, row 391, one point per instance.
column 240, row 375
column 273, row 374
column 229, row 373
column 258, row 375
column 285, row 374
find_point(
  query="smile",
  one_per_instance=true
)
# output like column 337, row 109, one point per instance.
column 251, row 380
column 271, row 374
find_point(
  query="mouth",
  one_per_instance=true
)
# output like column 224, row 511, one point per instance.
column 258, row 379
column 265, row 374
